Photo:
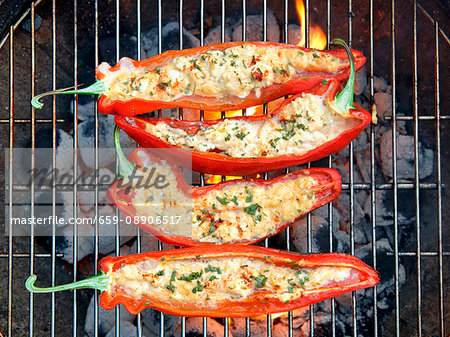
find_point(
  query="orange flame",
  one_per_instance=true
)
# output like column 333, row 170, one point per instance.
column 317, row 38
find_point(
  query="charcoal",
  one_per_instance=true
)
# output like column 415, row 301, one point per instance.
column 319, row 234
column 106, row 320
column 405, row 157
column 360, row 81
column 126, row 329
column 86, row 141
column 170, row 39
column 254, row 28
column 215, row 35
column 299, row 316
column 258, row 327
column 151, row 319
column 194, row 328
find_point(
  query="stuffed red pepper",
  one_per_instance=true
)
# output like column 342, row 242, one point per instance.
column 220, row 77
column 223, row 281
column 240, row 211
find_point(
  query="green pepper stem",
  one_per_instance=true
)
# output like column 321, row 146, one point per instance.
column 100, row 282
column 97, row 88
column 343, row 101
column 126, row 167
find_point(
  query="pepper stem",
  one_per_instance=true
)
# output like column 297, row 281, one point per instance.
column 343, row 101
column 126, row 167
column 97, row 88
column 100, row 282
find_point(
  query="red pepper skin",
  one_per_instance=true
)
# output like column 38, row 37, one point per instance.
column 138, row 106
column 330, row 179
column 255, row 305
column 216, row 163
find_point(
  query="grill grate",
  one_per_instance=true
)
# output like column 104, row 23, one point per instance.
column 12, row 257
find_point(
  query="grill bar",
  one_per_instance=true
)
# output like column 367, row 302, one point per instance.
column 394, row 171
column 75, row 167
column 416, row 172
column 439, row 178
column 96, row 114
column 33, row 145
column 11, row 145
column 372, row 171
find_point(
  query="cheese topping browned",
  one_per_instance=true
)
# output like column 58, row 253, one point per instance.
column 236, row 71
column 203, row 280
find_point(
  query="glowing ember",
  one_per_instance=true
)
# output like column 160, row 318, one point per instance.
column 317, row 38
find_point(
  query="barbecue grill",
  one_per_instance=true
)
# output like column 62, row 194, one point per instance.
column 405, row 42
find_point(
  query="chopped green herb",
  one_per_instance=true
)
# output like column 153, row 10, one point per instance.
column 263, row 302
column 223, row 201
column 197, row 256
column 160, row 273
column 199, row 287
column 170, row 287
column 316, row 56
column 240, row 135
column 252, row 209
column 213, row 269
column 212, row 278
column 228, row 137
column 324, row 82
column 192, row 276
column 212, row 227
column 214, row 206
column 163, row 259
column 260, row 280
column 249, row 196
column 272, row 143
column 310, row 196
column 234, row 200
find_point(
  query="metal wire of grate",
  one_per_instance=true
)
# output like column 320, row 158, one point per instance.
column 351, row 187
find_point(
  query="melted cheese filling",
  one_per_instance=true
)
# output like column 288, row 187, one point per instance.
column 236, row 71
column 240, row 211
column 303, row 124
column 200, row 280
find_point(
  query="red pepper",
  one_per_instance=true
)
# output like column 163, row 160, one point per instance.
column 217, row 163
column 135, row 106
column 255, row 304
column 326, row 189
